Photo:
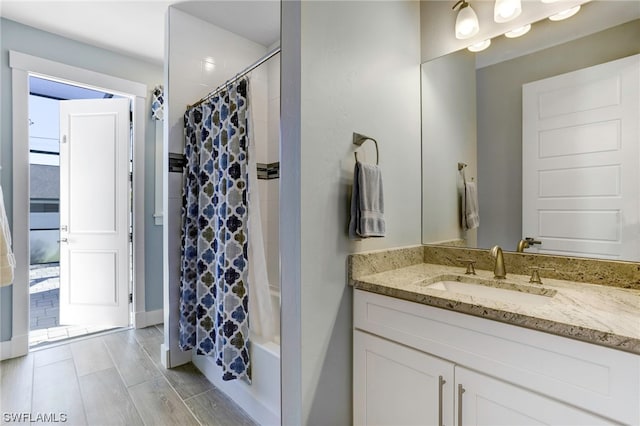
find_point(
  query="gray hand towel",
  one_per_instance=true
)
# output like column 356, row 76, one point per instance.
column 367, row 202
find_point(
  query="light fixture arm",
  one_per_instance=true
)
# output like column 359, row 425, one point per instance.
column 461, row 3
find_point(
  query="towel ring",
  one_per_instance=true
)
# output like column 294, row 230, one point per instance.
column 359, row 139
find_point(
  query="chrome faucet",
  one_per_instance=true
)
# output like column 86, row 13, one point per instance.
column 499, row 271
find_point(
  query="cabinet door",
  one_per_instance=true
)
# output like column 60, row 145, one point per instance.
column 488, row 401
column 397, row 385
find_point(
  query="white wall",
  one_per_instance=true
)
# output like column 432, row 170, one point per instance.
column 192, row 45
column 360, row 71
column 268, row 148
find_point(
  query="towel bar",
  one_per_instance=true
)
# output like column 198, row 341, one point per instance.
column 359, row 139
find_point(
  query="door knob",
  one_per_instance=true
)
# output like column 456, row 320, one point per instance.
column 63, row 240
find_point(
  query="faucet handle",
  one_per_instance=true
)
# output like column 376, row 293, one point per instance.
column 532, row 241
column 535, row 273
column 471, row 270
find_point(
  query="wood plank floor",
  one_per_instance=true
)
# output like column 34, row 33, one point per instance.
column 114, row 379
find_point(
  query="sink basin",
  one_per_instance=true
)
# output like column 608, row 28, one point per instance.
column 496, row 290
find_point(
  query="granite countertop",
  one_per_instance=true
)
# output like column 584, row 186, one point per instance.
column 598, row 314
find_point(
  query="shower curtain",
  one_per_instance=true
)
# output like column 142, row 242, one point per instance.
column 219, row 233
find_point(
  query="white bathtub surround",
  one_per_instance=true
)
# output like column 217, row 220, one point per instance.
column 261, row 400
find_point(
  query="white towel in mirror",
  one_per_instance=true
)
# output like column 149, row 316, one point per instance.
column 470, row 215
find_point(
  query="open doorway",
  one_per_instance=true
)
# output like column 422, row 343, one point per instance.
column 80, row 214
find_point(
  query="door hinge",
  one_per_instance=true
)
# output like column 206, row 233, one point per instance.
column 64, row 138
column 130, row 238
column 130, row 176
column 130, row 297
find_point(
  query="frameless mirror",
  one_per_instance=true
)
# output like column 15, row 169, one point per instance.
column 537, row 127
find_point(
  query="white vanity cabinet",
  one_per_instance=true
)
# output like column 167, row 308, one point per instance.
column 494, row 373
column 397, row 385
column 483, row 400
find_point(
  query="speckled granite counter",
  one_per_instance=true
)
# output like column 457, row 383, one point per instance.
column 599, row 314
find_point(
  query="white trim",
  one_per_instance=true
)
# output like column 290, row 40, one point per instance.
column 20, row 108
column 145, row 319
column 138, row 205
column 173, row 358
column 291, row 352
column 22, row 65
column 71, row 74
column 5, row 350
column 17, row 346
column 157, row 216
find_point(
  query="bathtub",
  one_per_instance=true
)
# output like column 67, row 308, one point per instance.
column 261, row 399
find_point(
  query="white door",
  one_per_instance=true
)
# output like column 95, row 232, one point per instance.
column 94, row 212
column 581, row 161
column 486, row 401
column 396, row 385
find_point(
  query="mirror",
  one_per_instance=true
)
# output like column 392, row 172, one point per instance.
column 472, row 107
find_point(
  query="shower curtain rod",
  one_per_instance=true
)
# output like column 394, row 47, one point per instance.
column 242, row 73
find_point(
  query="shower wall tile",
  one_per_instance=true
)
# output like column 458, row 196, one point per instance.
column 260, row 131
column 259, row 95
column 273, row 153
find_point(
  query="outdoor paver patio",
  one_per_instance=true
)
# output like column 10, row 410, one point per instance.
column 44, row 289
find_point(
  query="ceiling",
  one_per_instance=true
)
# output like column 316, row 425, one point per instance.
column 136, row 27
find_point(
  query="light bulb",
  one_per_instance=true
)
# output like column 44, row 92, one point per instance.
column 518, row 31
column 466, row 23
column 477, row 47
column 506, row 10
column 565, row 14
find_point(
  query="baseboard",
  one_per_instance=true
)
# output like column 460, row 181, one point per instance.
column 144, row 319
column 175, row 358
column 155, row 317
column 5, row 350
column 17, row 346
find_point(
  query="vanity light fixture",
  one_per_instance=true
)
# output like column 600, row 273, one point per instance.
column 467, row 21
column 506, row 10
column 478, row 47
column 565, row 14
column 518, row 31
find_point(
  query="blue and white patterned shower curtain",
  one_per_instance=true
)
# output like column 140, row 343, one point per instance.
column 214, row 301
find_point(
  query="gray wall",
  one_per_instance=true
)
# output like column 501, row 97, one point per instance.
column 499, row 104
column 448, row 137
column 31, row 41
column 360, row 65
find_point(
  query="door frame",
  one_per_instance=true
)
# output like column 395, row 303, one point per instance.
column 22, row 66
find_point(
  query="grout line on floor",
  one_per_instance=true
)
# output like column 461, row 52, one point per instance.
column 124, row 383
column 75, row 369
